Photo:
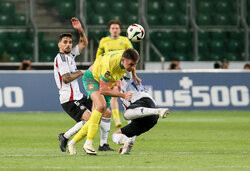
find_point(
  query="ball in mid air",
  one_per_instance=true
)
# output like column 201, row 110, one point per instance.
column 135, row 32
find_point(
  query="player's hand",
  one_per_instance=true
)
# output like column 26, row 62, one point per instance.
column 76, row 23
column 128, row 96
column 137, row 80
column 82, row 72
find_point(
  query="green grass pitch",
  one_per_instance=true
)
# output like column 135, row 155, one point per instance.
column 194, row 140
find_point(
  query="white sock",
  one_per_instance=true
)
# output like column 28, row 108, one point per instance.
column 74, row 129
column 89, row 142
column 105, row 128
column 140, row 112
column 72, row 142
column 119, row 138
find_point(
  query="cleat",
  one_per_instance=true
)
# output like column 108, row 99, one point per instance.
column 63, row 142
column 118, row 123
column 105, row 147
column 126, row 148
column 89, row 149
column 72, row 149
column 164, row 112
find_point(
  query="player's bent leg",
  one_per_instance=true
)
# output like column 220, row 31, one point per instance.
column 126, row 136
column 79, row 136
column 63, row 138
column 118, row 137
column 122, row 139
column 164, row 112
column 141, row 112
column 100, row 106
column 126, row 148
column 92, row 129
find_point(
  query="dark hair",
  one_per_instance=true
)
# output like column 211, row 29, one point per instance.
column 217, row 65
column 64, row 35
column 247, row 66
column 131, row 54
column 172, row 66
column 114, row 22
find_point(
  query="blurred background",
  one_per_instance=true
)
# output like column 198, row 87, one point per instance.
column 186, row 30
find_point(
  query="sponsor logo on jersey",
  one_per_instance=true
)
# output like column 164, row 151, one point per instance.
column 107, row 75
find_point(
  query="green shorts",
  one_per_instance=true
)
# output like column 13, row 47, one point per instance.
column 91, row 85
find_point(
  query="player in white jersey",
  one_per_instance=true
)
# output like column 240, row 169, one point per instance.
column 141, row 112
column 77, row 105
column 66, row 74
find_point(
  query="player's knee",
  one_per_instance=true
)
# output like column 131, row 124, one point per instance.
column 126, row 115
column 101, row 107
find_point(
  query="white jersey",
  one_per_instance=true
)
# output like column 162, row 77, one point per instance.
column 64, row 64
column 139, row 91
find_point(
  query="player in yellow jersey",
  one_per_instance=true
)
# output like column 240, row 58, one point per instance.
column 111, row 43
column 98, row 82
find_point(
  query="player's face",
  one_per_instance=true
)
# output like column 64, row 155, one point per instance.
column 129, row 64
column 114, row 30
column 65, row 45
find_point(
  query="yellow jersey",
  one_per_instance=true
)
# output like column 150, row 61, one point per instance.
column 108, row 44
column 108, row 67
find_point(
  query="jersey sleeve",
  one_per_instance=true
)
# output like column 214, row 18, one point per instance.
column 75, row 51
column 63, row 66
column 100, row 49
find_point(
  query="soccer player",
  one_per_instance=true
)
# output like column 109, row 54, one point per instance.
column 65, row 73
column 141, row 110
column 111, row 43
column 98, row 81
column 74, row 103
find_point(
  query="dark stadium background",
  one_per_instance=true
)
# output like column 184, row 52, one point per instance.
column 187, row 30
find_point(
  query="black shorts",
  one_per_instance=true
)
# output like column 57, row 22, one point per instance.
column 76, row 108
column 140, row 125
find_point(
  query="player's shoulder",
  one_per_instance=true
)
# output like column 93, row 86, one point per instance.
column 107, row 38
column 123, row 37
column 61, row 56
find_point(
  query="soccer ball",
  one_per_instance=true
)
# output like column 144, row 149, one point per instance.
column 135, row 32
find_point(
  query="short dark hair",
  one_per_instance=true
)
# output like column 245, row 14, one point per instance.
column 64, row 35
column 247, row 66
column 131, row 54
column 114, row 22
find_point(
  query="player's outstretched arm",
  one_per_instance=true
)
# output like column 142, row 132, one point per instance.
column 67, row 78
column 83, row 41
